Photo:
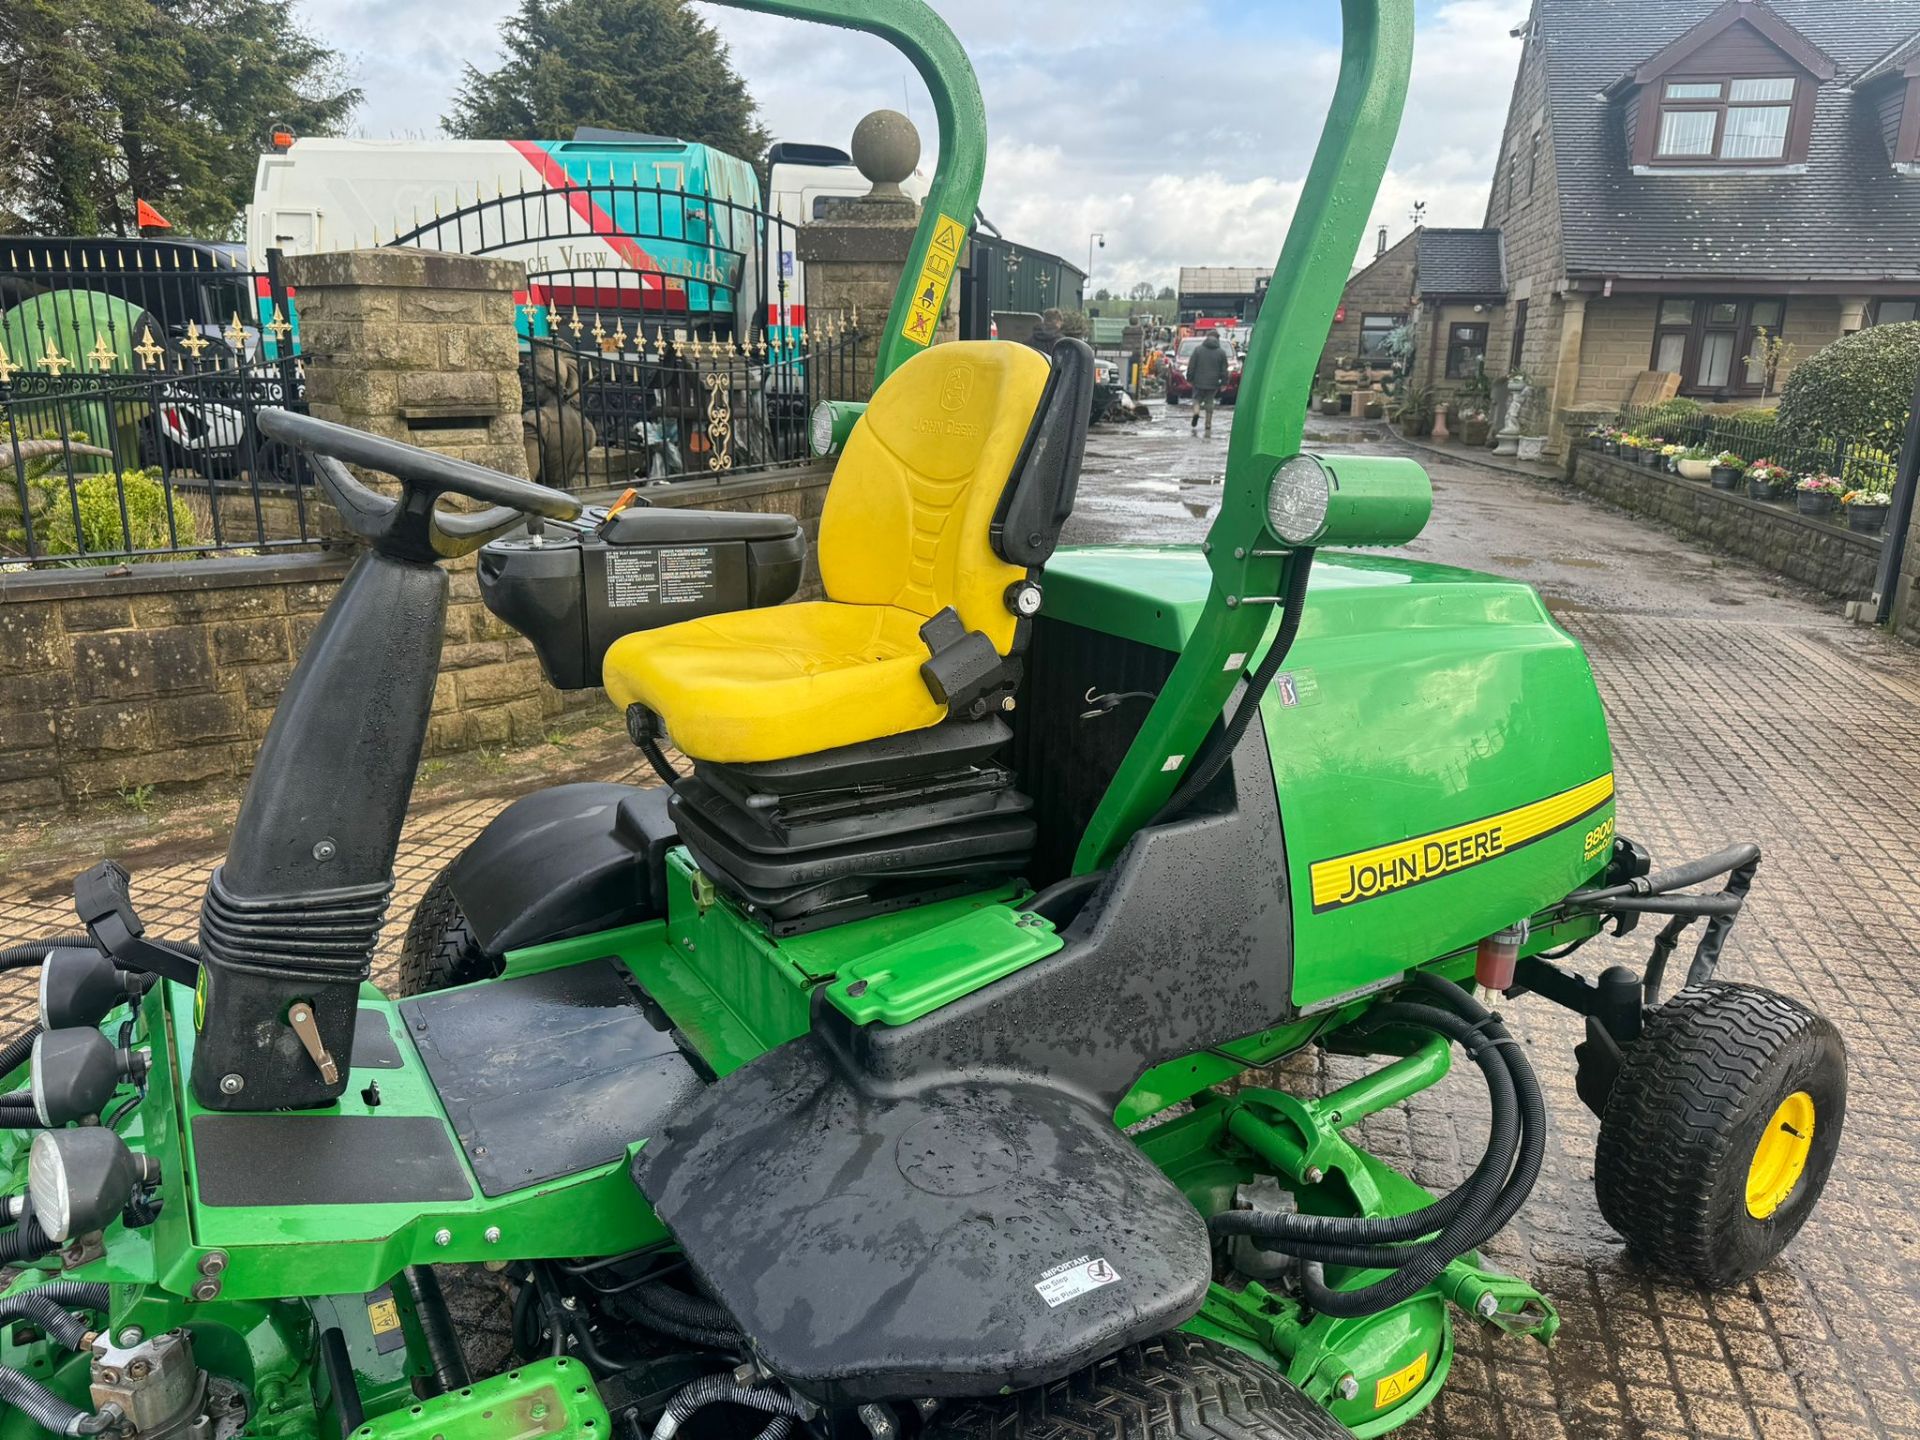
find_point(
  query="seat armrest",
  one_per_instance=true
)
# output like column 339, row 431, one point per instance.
column 965, row 674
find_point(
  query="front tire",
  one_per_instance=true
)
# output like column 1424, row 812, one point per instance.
column 440, row 951
column 1721, row 1131
column 1174, row 1387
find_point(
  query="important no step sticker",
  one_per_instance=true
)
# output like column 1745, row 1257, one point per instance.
column 936, row 275
column 1074, row 1278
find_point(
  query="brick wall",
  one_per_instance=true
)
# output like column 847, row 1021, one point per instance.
column 1822, row 556
column 167, row 675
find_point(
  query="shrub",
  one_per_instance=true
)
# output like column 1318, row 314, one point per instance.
column 100, row 531
column 1857, row 389
column 1870, row 469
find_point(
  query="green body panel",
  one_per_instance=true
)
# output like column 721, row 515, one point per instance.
column 1417, row 698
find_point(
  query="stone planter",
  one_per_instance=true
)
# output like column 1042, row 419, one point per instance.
column 1533, row 447
column 1329, row 404
column 1815, row 502
column 1696, row 469
column 1474, row 433
column 1866, row 519
column 1725, row 477
column 1374, row 407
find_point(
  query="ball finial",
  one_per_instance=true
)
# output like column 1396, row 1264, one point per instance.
column 886, row 147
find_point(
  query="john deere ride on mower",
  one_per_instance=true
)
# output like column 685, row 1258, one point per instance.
column 861, row 1080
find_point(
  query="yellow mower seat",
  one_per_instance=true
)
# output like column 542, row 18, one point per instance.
column 905, row 535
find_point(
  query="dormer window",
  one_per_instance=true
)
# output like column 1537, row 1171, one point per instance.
column 1745, row 119
column 1735, row 93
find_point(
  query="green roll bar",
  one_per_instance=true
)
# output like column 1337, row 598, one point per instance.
column 1249, row 569
column 947, row 217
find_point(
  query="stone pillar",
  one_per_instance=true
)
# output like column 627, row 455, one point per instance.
column 415, row 345
column 1906, row 596
column 855, row 252
column 1566, row 370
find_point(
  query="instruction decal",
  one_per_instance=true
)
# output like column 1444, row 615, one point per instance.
column 936, row 275
column 383, row 1319
column 1071, row 1279
column 1385, row 869
column 668, row 575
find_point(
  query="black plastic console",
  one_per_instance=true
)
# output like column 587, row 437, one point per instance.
column 574, row 592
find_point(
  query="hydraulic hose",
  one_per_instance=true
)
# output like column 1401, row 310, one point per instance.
column 44, row 1408
column 1464, row 1219
column 33, row 952
column 26, row 1241
column 1479, row 1189
column 17, row 1051
column 47, row 1306
column 436, row 1329
column 641, row 1307
column 696, row 1310
column 722, row 1390
column 1218, row 754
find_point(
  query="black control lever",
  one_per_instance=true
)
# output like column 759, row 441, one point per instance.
column 105, row 905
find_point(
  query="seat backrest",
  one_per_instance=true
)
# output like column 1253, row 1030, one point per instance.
column 910, row 514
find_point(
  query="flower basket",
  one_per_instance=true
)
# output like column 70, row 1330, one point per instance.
column 1867, row 519
column 1610, row 447
column 1816, row 502
column 1726, row 477
column 1696, row 469
column 1760, row 489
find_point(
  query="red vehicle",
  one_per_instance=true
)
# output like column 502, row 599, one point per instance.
column 1177, row 387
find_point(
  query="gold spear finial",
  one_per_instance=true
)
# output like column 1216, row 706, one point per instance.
column 148, row 352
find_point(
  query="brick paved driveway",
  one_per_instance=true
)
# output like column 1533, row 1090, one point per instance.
column 1739, row 711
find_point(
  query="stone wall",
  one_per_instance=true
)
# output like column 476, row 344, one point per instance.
column 166, row 675
column 1385, row 287
column 1823, row 556
column 1527, row 214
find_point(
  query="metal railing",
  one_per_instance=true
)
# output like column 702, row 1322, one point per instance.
column 683, row 408
column 113, row 467
column 620, row 261
column 1753, row 439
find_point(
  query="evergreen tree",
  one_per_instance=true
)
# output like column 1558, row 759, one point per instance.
column 651, row 66
column 167, row 101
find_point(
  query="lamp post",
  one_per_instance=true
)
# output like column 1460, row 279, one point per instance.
column 1101, row 236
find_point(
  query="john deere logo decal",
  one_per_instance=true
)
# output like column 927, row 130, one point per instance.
column 959, row 388
column 1368, row 874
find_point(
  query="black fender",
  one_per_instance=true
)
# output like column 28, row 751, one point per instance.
column 569, row 861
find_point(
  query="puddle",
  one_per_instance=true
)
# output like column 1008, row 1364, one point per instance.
column 1517, row 561
column 1561, row 606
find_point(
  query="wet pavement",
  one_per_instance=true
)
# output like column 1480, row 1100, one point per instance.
column 1740, row 709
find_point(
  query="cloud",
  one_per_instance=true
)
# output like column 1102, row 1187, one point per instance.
column 1182, row 130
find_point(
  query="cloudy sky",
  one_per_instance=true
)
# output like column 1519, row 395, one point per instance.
column 1180, row 128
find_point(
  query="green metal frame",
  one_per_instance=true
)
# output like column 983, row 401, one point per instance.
column 1327, row 229
column 925, row 39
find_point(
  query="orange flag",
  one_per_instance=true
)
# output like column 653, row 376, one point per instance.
column 148, row 218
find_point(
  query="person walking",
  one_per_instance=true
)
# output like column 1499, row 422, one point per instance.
column 1207, row 372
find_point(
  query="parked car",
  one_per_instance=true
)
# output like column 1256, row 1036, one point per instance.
column 1177, row 387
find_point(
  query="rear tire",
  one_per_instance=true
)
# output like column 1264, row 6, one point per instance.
column 1173, row 1387
column 1721, row 1131
column 440, row 951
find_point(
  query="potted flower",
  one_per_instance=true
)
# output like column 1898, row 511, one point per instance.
column 1818, row 494
column 1610, row 441
column 1653, row 450
column 1728, row 470
column 1695, row 463
column 1766, row 479
column 1474, row 427
column 1866, row 510
column 1330, row 403
column 1670, row 457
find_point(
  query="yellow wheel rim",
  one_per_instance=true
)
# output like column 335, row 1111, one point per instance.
column 1780, row 1158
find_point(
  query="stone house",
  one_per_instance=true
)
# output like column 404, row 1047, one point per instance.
column 1677, row 176
column 1378, row 301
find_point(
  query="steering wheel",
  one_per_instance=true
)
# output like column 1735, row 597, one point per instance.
column 412, row 527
